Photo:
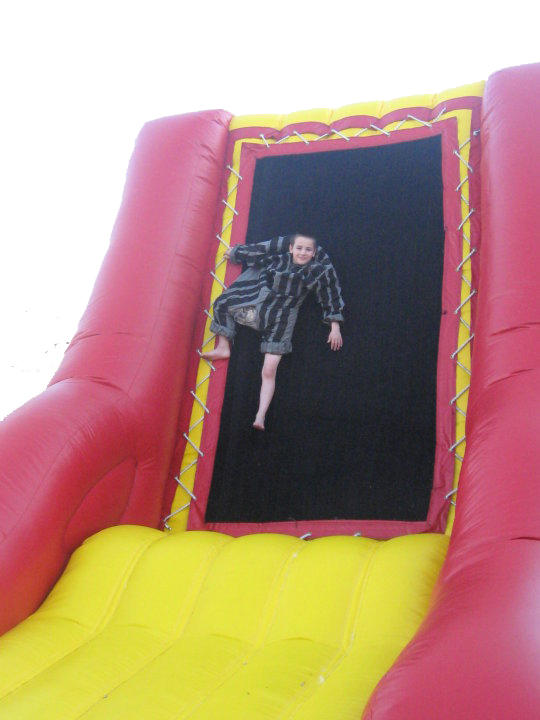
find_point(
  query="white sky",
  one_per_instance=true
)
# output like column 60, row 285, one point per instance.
column 79, row 79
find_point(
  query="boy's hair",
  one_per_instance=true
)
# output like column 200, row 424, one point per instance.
column 293, row 237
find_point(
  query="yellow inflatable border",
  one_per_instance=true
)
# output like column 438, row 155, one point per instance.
column 177, row 520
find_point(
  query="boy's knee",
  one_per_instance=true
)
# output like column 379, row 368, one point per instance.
column 269, row 369
column 268, row 372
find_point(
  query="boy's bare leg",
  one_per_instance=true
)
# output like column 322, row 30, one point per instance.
column 222, row 351
column 267, row 388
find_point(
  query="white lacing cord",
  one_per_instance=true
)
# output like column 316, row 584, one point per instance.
column 193, row 392
column 459, row 269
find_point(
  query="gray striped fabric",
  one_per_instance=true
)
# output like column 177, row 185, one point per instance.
column 276, row 288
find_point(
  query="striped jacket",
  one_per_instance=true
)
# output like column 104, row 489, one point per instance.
column 289, row 283
column 277, row 287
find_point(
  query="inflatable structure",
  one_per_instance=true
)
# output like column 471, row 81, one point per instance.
column 374, row 552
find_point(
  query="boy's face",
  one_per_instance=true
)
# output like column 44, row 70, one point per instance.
column 302, row 250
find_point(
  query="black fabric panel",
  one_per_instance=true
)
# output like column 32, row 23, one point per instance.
column 350, row 434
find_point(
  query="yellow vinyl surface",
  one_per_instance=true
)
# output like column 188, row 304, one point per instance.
column 147, row 624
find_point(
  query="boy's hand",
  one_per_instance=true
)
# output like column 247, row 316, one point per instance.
column 335, row 339
column 227, row 254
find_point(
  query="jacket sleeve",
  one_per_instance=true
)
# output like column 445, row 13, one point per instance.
column 258, row 252
column 328, row 291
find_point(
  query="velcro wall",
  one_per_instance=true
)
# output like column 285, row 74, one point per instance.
column 368, row 440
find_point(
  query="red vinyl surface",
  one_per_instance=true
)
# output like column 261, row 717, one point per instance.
column 477, row 654
column 95, row 448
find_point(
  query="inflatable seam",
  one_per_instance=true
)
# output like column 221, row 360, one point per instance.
column 256, row 645
column 165, row 644
column 115, row 596
column 349, row 634
column 94, row 486
column 165, row 285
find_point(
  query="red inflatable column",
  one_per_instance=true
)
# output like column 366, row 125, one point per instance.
column 477, row 655
column 95, row 448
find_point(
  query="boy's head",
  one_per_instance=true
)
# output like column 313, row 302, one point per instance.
column 302, row 248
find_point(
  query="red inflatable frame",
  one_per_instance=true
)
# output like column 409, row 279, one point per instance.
column 99, row 446
column 446, row 381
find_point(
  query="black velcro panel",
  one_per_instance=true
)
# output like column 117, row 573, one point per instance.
column 350, row 434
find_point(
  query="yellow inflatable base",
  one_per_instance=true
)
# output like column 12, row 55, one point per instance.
column 199, row 625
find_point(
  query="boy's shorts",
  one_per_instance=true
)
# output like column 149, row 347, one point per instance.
column 247, row 315
column 276, row 339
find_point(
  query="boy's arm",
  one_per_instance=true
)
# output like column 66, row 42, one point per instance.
column 252, row 254
column 329, row 295
column 334, row 338
column 328, row 292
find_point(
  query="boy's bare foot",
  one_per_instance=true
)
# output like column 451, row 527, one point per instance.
column 217, row 354
column 258, row 424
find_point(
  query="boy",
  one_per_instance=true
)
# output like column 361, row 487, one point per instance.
column 267, row 297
